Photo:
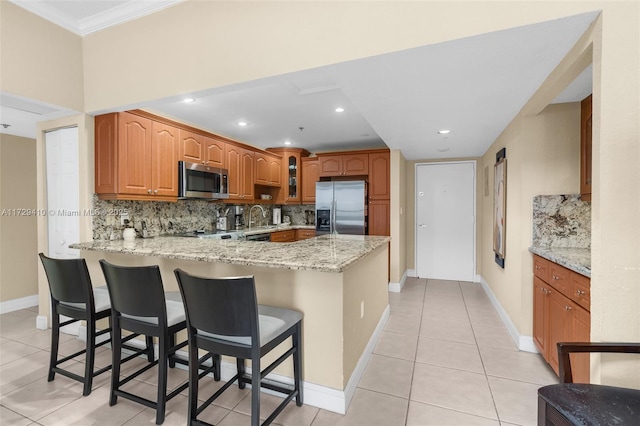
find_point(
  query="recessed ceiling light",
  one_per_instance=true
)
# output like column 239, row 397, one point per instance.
column 188, row 100
column 339, row 109
column 444, row 132
column 443, row 149
column 242, row 123
column 287, row 142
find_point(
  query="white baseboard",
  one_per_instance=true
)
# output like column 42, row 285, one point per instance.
column 17, row 304
column 524, row 343
column 411, row 273
column 42, row 322
column 315, row 395
column 397, row 287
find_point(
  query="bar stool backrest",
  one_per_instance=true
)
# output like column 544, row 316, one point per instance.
column 69, row 280
column 221, row 306
column 136, row 290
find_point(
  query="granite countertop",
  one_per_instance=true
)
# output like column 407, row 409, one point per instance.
column 576, row 259
column 273, row 228
column 327, row 253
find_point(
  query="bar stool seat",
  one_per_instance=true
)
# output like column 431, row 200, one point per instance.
column 175, row 310
column 100, row 297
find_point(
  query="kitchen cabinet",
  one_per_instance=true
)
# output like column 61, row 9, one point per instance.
column 303, row 234
column 379, row 217
column 356, row 164
column 560, row 313
column 196, row 148
column 240, row 164
column 586, row 122
column 379, row 176
column 136, row 158
column 292, row 174
column 268, row 169
column 310, row 176
column 283, row 236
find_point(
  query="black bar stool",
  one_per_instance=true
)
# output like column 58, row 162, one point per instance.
column 223, row 317
column 140, row 305
column 73, row 295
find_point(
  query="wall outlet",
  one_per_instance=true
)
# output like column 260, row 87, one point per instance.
column 124, row 218
column 362, row 309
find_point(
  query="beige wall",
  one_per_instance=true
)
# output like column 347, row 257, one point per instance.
column 200, row 45
column 398, row 219
column 543, row 157
column 39, row 60
column 18, row 246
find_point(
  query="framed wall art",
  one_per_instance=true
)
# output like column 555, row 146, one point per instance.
column 500, row 207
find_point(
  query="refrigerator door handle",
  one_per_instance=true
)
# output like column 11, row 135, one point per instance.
column 333, row 216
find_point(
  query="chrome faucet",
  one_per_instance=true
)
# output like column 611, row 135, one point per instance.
column 264, row 214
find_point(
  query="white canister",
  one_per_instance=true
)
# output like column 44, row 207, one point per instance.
column 277, row 215
column 129, row 234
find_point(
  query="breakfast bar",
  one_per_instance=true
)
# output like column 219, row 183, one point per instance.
column 338, row 282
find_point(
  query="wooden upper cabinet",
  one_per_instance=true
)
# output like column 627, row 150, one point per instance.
column 310, row 175
column 134, row 155
column 379, row 176
column 214, row 152
column 268, row 169
column 136, row 158
column 356, row 164
column 586, row 159
column 291, row 177
column 239, row 163
column 164, row 162
column 191, row 147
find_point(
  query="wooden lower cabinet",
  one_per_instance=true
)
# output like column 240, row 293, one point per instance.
column 303, row 234
column 287, row 236
column 558, row 316
column 379, row 221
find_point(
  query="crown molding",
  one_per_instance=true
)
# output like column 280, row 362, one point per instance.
column 108, row 18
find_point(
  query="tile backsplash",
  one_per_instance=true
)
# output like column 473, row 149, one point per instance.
column 173, row 218
column 561, row 221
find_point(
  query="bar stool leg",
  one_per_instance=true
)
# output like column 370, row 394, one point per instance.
column 150, row 350
column 241, row 372
column 215, row 359
column 55, row 340
column 116, row 343
column 255, row 391
column 90, row 358
column 172, row 343
column 297, row 364
column 193, row 384
column 162, row 378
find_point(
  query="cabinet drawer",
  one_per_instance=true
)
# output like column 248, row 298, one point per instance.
column 559, row 277
column 283, row 236
column 581, row 290
column 303, row 234
column 541, row 268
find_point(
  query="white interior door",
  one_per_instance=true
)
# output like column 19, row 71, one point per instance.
column 445, row 220
column 62, row 191
column 63, row 203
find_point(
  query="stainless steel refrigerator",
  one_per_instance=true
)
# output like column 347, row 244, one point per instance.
column 340, row 207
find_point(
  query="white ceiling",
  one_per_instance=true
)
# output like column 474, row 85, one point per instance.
column 473, row 86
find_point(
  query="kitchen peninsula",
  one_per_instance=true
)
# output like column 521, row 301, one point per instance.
column 338, row 282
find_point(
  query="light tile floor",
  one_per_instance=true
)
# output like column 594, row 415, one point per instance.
column 444, row 358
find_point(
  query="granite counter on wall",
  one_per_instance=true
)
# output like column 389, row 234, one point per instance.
column 562, row 231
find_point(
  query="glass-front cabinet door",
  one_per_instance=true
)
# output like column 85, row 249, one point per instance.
column 292, row 193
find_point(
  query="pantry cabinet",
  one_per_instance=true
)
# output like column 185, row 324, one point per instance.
column 379, row 219
column 560, row 313
column 379, row 178
column 135, row 158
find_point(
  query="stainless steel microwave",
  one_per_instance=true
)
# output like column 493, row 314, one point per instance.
column 202, row 181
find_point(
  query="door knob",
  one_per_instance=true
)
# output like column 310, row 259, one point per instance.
column 422, row 225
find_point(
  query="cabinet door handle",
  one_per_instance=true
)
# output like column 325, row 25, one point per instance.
column 538, row 267
column 580, row 292
column 155, row 192
column 553, row 277
column 567, row 308
column 148, row 191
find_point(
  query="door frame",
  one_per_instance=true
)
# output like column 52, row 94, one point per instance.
column 474, row 164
